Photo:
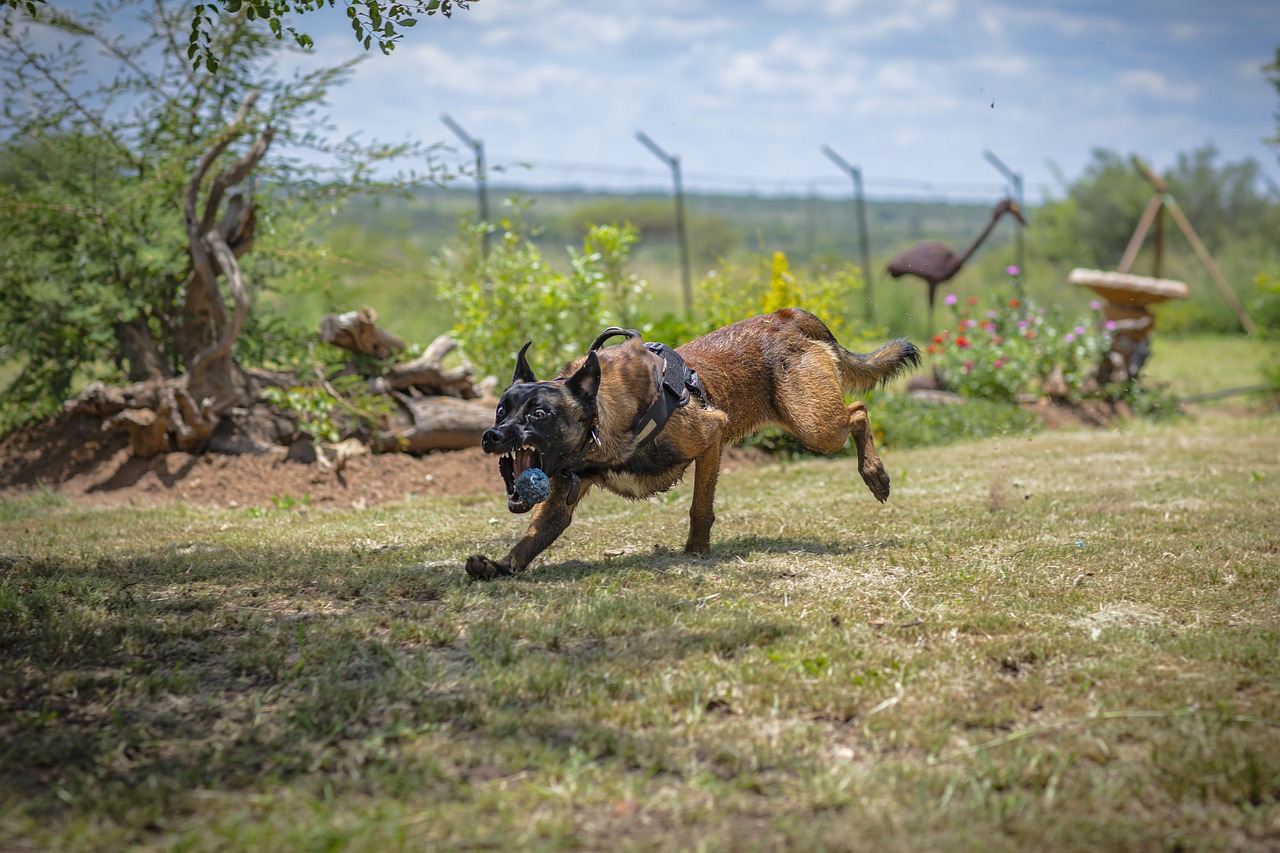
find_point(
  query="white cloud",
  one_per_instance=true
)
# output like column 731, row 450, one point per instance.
column 1157, row 85
column 905, row 87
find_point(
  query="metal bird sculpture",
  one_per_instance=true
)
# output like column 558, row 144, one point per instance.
column 934, row 263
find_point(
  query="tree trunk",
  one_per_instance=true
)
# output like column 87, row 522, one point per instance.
column 215, row 239
column 141, row 357
column 166, row 413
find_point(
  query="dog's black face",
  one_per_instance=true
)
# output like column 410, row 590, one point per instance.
column 542, row 424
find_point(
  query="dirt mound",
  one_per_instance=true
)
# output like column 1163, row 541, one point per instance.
column 71, row 457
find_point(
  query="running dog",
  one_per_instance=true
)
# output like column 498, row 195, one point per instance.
column 630, row 418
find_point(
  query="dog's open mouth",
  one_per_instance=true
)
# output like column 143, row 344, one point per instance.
column 511, row 465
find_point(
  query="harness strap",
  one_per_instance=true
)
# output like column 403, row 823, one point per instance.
column 673, row 378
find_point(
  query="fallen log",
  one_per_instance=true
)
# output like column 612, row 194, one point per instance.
column 359, row 332
column 426, row 374
column 437, row 423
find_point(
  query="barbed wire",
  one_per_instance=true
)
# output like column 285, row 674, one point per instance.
column 645, row 179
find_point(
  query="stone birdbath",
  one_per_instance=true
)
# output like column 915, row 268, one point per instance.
column 1127, row 300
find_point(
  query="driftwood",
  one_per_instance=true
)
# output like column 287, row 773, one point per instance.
column 426, row 374
column 359, row 332
column 437, row 407
column 437, row 423
column 159, row 415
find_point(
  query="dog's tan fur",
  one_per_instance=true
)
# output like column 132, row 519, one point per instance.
column 785, row 369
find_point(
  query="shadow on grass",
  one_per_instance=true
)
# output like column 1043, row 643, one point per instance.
column 730, row 551
column 129, row 684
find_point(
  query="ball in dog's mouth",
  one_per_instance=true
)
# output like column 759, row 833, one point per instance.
column 512, row 466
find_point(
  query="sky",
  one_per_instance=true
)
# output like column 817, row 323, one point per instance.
column 746, row 92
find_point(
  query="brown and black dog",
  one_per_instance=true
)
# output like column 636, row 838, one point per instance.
column 583, row 428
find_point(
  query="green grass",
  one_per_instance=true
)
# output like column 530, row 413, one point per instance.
column 1066, row 641
column 1201, row 364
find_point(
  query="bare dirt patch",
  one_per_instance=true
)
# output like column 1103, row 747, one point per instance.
column 70, row 457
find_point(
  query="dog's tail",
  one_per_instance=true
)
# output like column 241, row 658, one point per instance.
column 860, row 372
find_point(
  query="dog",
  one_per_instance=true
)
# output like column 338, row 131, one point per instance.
column 630, row 418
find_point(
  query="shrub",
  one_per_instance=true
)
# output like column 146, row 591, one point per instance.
column 1014, row 347
column 767, row 283
column 512, row 296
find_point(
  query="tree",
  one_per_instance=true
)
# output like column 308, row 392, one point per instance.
column 373, row 21
column 1273, row 73
column 133, row 187
column 1092, row 225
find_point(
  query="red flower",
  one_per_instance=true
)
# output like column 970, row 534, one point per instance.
column 962, row 342
column 973, row 300
column 1013, row 303
column 932, row 348
column 940, row 337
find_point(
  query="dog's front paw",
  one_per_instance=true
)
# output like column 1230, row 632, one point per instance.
column 481, row 568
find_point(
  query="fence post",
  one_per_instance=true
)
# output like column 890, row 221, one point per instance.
column 682, row 233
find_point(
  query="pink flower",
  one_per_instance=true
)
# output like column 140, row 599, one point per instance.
column 1095, row 305
column 951, row 299
column 1111, row 325
column 1068, row 337
column 1080, row 330
column 1012, row 270
column 999, row 363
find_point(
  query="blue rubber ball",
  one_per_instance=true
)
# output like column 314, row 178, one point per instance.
column 532, row 486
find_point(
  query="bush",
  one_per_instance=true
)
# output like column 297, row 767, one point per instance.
column 1015, row 347
column 767, row 283
column 502, row 301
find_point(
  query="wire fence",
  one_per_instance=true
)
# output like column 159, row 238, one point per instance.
column 514, row 171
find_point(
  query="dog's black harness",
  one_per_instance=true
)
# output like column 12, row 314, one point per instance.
column 675, row 381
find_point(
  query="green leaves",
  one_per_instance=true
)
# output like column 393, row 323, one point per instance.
column 512, row 296
column 373, row 22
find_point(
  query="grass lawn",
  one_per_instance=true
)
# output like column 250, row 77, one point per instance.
column 1069, row 641
column 1201, row 364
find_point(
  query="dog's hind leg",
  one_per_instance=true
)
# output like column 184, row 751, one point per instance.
column 812, row 408
column 550, row 519
column 869, row 464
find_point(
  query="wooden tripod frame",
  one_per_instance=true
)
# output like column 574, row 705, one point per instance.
column 1163, row 200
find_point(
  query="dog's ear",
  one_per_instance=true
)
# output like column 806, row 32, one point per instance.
column 523, row 372
column 586, row 382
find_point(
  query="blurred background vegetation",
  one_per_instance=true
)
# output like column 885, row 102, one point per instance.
column 91, row 236
column 384, row 250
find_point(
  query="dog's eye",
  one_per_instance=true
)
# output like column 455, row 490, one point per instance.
column 538, row 414
column 501, row 413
